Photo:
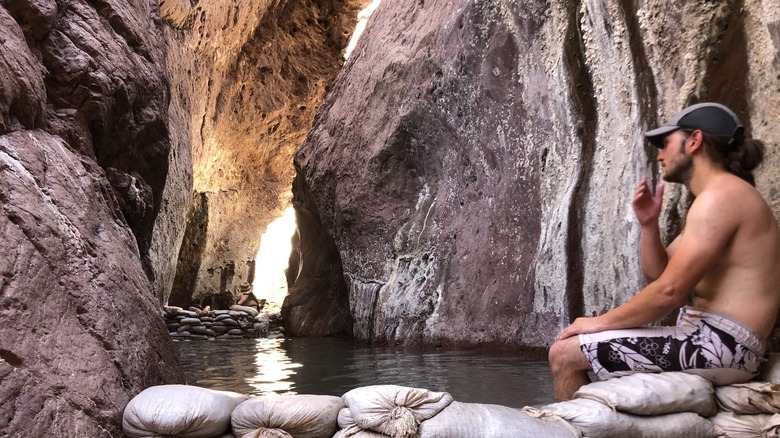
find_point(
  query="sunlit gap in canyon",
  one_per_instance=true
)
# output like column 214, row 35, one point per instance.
column 272, row 258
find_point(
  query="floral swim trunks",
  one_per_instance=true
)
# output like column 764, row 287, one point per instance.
column 703, row 342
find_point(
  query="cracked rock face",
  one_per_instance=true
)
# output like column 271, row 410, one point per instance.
column 83, row 160
column 472, row 167
column 81, row 333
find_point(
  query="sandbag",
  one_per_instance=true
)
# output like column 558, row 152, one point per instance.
column 393, row 410
column 476, row 420
column 597, row 420
column 345, row 419
column 246, row 309
column 348, row 428
column 277, row 416
column 770, row 370
column 654, row 394
column 172, row 310
column 749, row 398
column 356, row 432
column 180, row 410
column 747, row 426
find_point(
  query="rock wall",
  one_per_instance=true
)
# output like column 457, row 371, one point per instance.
column 84, row 148
column 246, row 78
column 473, row 163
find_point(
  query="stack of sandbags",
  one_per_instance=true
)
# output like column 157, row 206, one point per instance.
column 283, row 416
column 751, row 409
column 238, row 322
column 639, row 405
column 180, row 410
column 388, row 410
column 275, row 325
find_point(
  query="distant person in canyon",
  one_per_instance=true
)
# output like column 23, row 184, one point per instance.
column 247, row 297
column 723, row 268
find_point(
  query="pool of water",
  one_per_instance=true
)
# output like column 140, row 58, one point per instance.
column 334, row 366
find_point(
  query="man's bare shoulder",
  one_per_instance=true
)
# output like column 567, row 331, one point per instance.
column 731, row 196
column 731, row 207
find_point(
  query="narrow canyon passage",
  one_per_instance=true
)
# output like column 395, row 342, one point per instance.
column 247, row 80
column 463, row 179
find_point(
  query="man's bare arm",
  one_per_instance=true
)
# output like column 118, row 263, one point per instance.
column 647, row 207
column 706, row 235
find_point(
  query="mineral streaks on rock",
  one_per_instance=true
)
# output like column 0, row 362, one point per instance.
column 80, row 332
column 474, row 161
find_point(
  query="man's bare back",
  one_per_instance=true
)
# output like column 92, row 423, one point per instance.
column 743, row 282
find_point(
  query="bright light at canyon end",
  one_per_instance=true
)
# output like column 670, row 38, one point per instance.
column 271, row 261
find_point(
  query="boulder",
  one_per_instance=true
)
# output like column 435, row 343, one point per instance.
column 72, row 279
column 468, row 179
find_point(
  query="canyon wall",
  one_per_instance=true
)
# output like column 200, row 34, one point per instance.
column 144, row 148
column 84, row 150
column 470, row 172
column 246, row 78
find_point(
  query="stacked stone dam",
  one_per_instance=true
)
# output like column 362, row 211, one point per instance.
column 238, row 322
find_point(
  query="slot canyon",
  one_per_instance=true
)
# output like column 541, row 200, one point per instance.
column 462, row 177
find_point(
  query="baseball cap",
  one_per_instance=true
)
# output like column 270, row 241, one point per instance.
column 710, row 117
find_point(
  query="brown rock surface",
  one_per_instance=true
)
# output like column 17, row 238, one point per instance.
column 246, row 79
column 83, row 161
column 81, row 332
column 474, row 161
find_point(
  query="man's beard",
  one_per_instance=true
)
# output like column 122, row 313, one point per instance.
column 682, row 171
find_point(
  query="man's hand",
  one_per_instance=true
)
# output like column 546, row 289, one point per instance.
column 646, row 206
column 581, row 325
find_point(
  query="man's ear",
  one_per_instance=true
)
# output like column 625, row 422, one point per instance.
column 696, row 141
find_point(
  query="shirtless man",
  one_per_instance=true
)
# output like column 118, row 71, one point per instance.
column 726, row 261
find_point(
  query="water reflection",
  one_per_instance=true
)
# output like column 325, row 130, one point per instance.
column 334, row 366
column 274, row 370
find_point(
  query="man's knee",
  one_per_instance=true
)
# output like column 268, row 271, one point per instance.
column 555, row 354
column 565, row 354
